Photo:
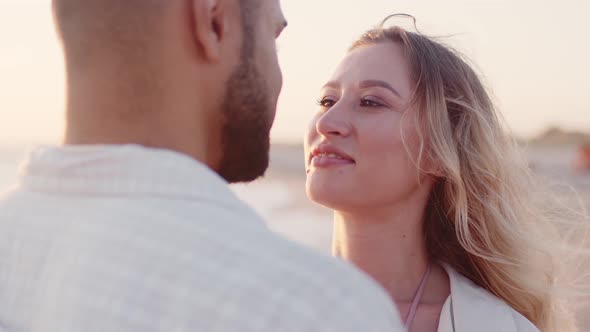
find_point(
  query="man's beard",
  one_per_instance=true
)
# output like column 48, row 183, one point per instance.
column 248, row 120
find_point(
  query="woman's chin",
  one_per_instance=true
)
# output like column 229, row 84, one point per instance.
column 327, row 198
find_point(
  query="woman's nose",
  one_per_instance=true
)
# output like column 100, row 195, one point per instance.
column 333, row 123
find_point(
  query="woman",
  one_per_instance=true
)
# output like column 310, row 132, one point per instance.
column 429, row 197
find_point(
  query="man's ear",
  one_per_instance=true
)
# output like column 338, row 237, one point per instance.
column 210, row 25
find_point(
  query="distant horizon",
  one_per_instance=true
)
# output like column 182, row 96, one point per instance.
column 20, row 143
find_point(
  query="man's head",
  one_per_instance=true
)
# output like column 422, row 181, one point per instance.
column 197, row 76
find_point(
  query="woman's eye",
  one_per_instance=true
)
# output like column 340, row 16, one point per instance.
column 326, row 102
column 370, row 103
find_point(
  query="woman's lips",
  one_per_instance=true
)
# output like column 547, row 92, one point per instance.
column 327, row 155
column 329, row 160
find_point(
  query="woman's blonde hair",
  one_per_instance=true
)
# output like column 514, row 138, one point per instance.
column 481, row 218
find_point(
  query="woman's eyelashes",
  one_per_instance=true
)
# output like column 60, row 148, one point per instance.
column 368, row 102
column 372, row 102
column 326, row 102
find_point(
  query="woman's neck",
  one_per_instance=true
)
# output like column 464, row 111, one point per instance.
column 390, row 249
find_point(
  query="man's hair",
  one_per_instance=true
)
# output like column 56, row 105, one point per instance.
column 104, row 28
column 122, row 28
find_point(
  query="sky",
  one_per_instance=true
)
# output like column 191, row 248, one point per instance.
column 534, row 56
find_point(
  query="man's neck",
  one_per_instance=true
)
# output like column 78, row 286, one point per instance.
column 104, row 119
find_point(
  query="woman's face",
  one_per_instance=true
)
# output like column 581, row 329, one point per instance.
column 355, row 155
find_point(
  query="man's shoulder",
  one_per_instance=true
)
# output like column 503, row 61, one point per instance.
column 222, row 255
column 311, row 275
column 312, row 286
column 290, row 281
column 269, row 251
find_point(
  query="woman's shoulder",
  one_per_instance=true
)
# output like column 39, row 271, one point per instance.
column 475, row 309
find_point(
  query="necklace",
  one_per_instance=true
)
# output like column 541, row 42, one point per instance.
column 417, row 298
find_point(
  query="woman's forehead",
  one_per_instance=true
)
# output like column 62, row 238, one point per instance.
column 380, row 62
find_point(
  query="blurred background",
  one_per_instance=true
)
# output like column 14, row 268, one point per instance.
column 534, row 57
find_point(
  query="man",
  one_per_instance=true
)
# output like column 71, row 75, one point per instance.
column 130, row 226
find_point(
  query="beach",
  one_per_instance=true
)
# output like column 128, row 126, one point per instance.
column 280, row 197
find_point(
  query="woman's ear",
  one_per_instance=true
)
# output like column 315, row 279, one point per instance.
column 432, row 166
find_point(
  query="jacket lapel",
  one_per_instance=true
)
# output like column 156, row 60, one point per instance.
column 474, row 309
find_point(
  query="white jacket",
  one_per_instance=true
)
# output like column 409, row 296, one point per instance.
column 471, row 308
